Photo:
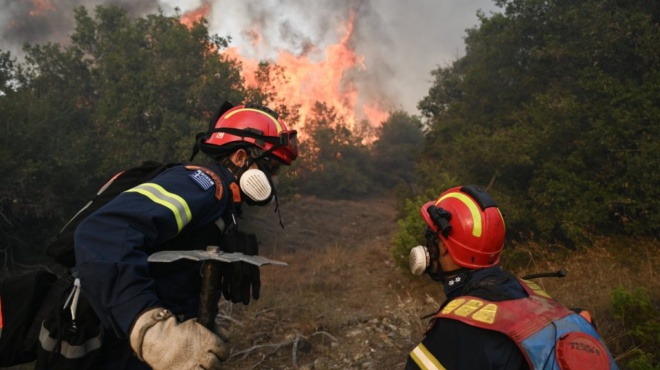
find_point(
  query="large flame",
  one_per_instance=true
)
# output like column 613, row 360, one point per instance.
column 308, row 81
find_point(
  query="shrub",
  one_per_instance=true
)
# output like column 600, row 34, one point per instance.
column 640, row 319
column 411, row 225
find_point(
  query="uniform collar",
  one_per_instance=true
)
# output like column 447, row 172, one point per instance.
column 454, row 286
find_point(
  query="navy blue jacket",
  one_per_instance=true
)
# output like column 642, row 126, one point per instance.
column 112, row 246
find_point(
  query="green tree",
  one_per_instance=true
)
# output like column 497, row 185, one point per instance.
column 334, row 162
column 154, row 77
column 123, row 91
column 395, row 152
column 553, row 108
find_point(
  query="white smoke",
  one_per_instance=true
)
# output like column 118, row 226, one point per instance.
column 401, row 41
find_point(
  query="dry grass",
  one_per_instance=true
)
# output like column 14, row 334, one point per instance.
column 340, row 294
column 346, row 276
column 342, row 303
column 593, row 273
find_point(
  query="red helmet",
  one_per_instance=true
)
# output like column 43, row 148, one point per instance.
column 252, row 124
column 470, row 225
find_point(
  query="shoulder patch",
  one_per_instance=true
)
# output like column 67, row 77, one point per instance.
column 202, row 179
column 206, row 178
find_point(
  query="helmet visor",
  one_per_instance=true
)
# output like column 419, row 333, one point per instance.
column 269, row 165
column 289, row 143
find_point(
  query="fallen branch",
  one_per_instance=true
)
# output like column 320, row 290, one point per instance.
column 294, row 357
column 324, row 333
column 276, row 347
column 246, row 352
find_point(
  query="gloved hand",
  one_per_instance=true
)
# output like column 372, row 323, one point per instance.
column 238, row 278
column 163, row 343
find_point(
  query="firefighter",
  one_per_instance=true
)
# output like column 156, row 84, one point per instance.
column 148, row 311
column 491, row 319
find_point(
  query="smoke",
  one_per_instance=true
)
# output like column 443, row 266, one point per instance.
column 401, row 42
column 41, row 21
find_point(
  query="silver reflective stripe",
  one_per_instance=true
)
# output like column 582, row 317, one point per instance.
column 175, row 203
column 67, row 350
column 424, row 359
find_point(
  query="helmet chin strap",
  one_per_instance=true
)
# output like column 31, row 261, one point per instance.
column 441, row 276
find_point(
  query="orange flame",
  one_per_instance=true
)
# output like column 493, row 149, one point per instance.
column 189, row 18
column 40, row 7
column 307, row 81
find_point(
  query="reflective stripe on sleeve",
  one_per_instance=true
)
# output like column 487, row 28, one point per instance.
column 175, row 203
column 424, row 359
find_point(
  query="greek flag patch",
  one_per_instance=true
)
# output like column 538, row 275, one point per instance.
column 202, row 179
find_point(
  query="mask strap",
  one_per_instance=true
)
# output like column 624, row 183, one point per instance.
column 277, row 207
column 277, row 202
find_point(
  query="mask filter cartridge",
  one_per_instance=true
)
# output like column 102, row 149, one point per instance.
column 255, row 185
column 419, row 259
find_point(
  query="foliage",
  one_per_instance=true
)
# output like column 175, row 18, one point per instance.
column 643, row 361
column 337, row 162
column 640, row 320
column 334, row 163
column 554, row 108
column 396, row 150
column 124, row 90
column 411, row 224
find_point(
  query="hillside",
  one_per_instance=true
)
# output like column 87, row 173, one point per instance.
column 341, row 303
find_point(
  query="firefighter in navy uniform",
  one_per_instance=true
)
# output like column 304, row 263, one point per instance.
column 148, row 310
column 491, row 319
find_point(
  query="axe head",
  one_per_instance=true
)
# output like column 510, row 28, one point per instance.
column 212, row 253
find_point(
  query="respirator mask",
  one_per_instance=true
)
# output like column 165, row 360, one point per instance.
column 421, row 257
column 257, row 183
column 256, row 187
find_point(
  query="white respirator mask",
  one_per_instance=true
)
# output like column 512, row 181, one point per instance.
column 256, row 185
column 419, row 259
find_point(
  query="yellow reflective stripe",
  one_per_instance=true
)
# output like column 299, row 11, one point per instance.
column 472, row 206
column 275, row 122
column 173, row 202
column 502, row 217
column 424, row 359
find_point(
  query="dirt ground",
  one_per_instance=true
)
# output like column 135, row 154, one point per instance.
column 341, row 303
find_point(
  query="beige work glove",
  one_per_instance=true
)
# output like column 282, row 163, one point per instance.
column 163, row 343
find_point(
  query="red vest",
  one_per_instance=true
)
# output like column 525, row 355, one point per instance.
column 533, row 323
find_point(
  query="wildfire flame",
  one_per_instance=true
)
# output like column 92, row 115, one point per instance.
column 189, row 18
column 40, row 7
column 309, row 81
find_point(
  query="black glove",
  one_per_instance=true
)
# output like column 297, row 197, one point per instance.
column 238, row 278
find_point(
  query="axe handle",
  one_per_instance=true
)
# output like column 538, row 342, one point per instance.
column 208, row 303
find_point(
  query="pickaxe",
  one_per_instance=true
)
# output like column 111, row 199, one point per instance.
column 211, row 257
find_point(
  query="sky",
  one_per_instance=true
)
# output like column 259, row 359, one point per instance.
column 397, row 43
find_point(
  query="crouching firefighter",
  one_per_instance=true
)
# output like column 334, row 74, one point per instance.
column 148, row 312
column 491, row 319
